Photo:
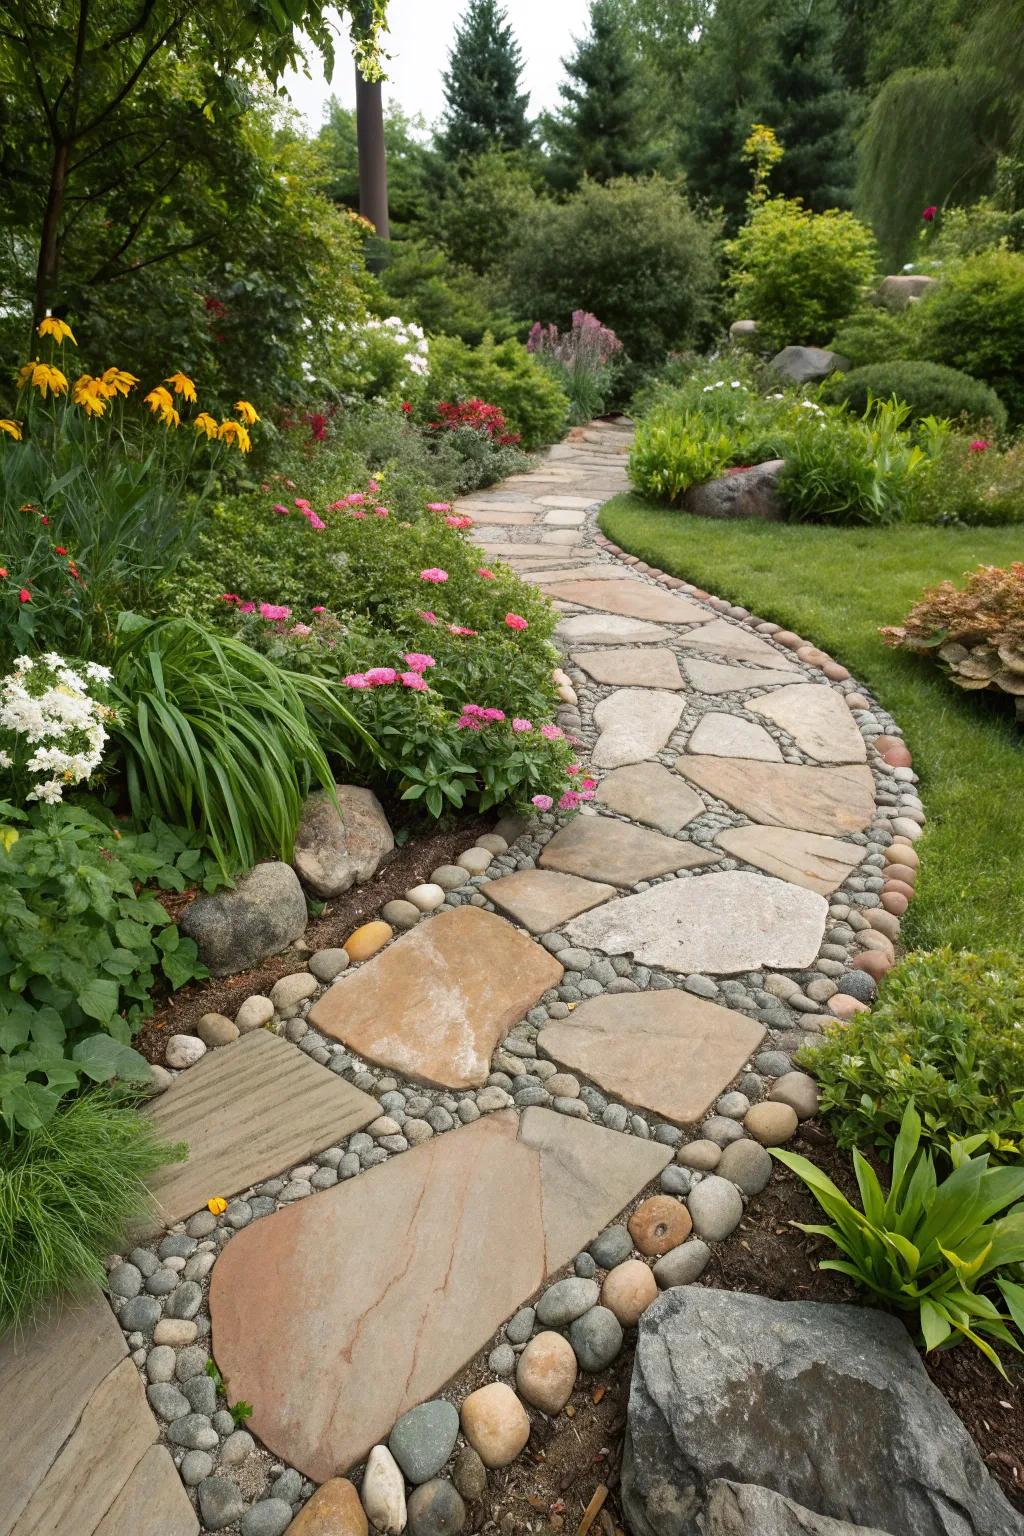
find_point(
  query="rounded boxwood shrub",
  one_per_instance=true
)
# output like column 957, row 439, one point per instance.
column 930, row 389
column 974, row 319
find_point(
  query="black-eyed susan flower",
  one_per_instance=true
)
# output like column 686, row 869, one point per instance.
column 204, row 422
column 116, row 381
column 88, row 392
column 182, row 385
column 234, row 432
column 11, row 428
column 247, row 412
column 58, row 329
column 42, row 376
column 159, row 400
column 216, row 1205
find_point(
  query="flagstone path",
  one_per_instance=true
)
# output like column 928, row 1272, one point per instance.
column 602, row 1003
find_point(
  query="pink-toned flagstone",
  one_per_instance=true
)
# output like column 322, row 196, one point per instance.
column 601, row 848
column 631, row 668
column 826, row 800
column 805, row 858
column 818, row 721
column 542, row 899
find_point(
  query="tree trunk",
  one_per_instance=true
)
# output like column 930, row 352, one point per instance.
column 373, row 167
column 49, row 239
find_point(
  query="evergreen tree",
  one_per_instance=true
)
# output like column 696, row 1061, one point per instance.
column 600, row 131
column 809, row 106
column 486, row 109
column 724, row 91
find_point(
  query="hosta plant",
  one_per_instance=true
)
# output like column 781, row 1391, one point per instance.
column 942, row 1251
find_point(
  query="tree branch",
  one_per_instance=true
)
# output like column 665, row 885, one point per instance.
column 132, row 80
column 152, row 261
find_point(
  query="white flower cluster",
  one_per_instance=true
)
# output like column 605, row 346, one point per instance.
column 404, row 334
column 46, row 705
column 733, row 384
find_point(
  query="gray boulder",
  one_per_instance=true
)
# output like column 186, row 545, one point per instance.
column 744, row 493
column 743, row 330
column 234, row 930
column 338, row 846
column 902, row 289
column 826, row 1405
column 740, row 1509
column 804, row 365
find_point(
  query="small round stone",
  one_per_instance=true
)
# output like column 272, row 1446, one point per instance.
column 423, row 1439
column 875, row 962
column 474, row 861
column 184, row 1050
column 400, row 914
column 597, row 1338
column 214, row 1030
column 367, row 940
column 682, row 1265
column 220, row 1503
column 799, row 1091
column 256, row 1012
column 519, row 1328
column 721, row 1130
column 585, row 1266
column 469, row 1474
column 771, row 1124
column 193, row 1431
column 563, row 1085
column 167, row 1402
column 658, row 1224
column 449, row 876
column 426, row 897
column 124, row 1280
column 270, row 1517
column 566, row 1300
column 843, row 1006
column 495, row 1423
column 716, row 1208
column 733, row 1105
column 746, row 1164
column 436, row 1509
column 289, row 991
column 702, row 1155
column 236, row 1448
column 546, row 1373
column 858, row 984
column 628, row 1291
column 383, row 1492
column 328, row 964
column 502, row 1360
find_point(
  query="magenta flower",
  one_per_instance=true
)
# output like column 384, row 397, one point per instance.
column 382, row 512
column 414, row 680
column 427, row 616
column 274, row 611
column 929, row 213
column 336, row 506
column 301, row 503
column 229, row 597
column 589, row 783
column 573, row 769
column 315, row 522
column 516, row 621
column 439, row 506
column 379, row 677
column 460, row 629
column 495, row 715
column 486, row 574
column 552, row 733
column 570, row 801
column 433, row 573
column 542, row 802
column 476, row 710
column 980, row 445
column 519, row 724
column 469, row 723
column 373, row 487
column 418, row 661
column 459, row 522
column 247, row 607
column 359, row 515
column 356, row 499
column 282, row 510
column 318, row 609
column 356, row 680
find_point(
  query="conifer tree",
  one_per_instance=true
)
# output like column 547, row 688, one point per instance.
column 600, row 130
column 809, row 106
column 485, row 107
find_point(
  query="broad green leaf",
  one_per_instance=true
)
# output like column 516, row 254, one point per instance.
column 98, row 999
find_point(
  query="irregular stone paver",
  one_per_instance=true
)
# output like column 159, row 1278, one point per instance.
column 600, row 848
column 631, row 668
column 436, row 1002
column 542, row 899
column 580, row 573
column 502, row 550
column 719, row 923
column 500, row 517
column 818, row 721
column 78, row 1433
column 805, row 858
column 663, row 1051
column 828, row 800
column 727, row 639
column 653, row 794
column 607, row 629
column 635, row 723
column 719, row 677
column 247, row 1112
column 732, row 736
column 389, row 1267
column 635, row 599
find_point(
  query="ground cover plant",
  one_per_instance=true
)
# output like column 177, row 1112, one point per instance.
column 977, row 632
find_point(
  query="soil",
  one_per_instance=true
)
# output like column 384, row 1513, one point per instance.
column 409, row 865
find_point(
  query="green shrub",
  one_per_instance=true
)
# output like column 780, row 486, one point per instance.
column 504, row 374
column 633, row 252
column 673, row 450
column 968, row 481
column 930, row 389
column 69, row 1194
column 443, row 297
column 927, row 1246
column 944, row 1032
column 873, row 334
column 974, row 319
column 799, row 273
column 850, row 469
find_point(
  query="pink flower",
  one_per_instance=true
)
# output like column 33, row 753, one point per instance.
column 459, row 522
column 381, row 512
column 413, row 680
column 301, row 503
column 469, row 723
column 929, row 213
column 427, row 616
column 475, row 710
column 300, row 629
column 573, row 769
column 355, row 499
column 282, row 510
column 520, row 725
column 318, row 609
column 336, row 506
column 418, row 661
column 516, row 621
column 589, row 783
column 552, row 733
column 247, row 607
column 586, row 794
column 359, row 515
column 542, row 802
column 229, row 597
column 486, row 574
column 356, row 680
column 433, row 573
column 373, row 487
column 980, row 445
column 378, row 677
column 570, row 801
column 274, row 611
column 315, row 522
column 460, row 629
column 495, row 715
column 439, row 506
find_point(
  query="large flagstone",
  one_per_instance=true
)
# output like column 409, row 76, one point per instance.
column 631, row 667
column 826, row 800
column 434, row 1004
column 666, row 1052
column 634, row 599
column 635, row 723
column 805, row 858
column 653, row 794
column 542, row 899
column 601, row 848
column 818, row 720
column 725, row 639
column 404, row 1273
column 720, row 735
column 607, row 629
column 719, row 677
column 717, row 924
column 247, row 1112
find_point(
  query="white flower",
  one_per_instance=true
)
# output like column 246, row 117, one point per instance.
column 50, row 791
column 5, row 759
column 24, row 664
column 97, row 673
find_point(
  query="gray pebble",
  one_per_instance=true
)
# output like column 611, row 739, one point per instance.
column 177, row 1245
column 566, row 1300
column 436, row 1509
column 222, row 1422
column 612, row 1246
column 262, row 1205
column 124, row 1280
column 721, row 1130
column 220, row 1503
column 162, row 1282
column 676, row 1180
column 238, row 1214
column 166, row 1401
column 596, row 1338
column 194, row 1431
column 585, row 1266
column 191, row 1361
column 288, row 1486
column 270, row 1517
column 160, row 1363
column 145, row 1261
column 140, row 1314
column 615, row 1117
column 668, row 1135
column 502, row 1360
column 195, row 1465
column 682, row 1265
column 519, row 1328
column 201, row 1394
column 424, row 1438
column 716, row 1207
column 773, row 1063
column 700, row 986
column 186, row 1300
column 469, row 1474
column 747, row 1164
column 201, row 1224
column 238, row 1445
column 858, row 984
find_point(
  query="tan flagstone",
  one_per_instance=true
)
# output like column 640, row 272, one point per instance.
column 731, row 736
column 558, row 500
column 818, row 720
column 485, row 517
column 804, row 858
column 389, row 1267
column 525, row 550
column 653, row 794
column 826, row 800
column 435, row 1003
column 542, row 899
column 631, row 668
column 601, row 848
column 727, row 639
column 666, row 1052
column 607, row 629
column 563, row 517
column 153, row 1499
column 635, row 599
column 635, row 723
column 719, row 677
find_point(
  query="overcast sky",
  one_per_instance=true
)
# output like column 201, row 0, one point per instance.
column 420, row 39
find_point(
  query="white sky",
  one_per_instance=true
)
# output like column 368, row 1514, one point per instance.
column 421, row 35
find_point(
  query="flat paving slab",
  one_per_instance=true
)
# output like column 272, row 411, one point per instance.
column 804, row 858
column 389, row 1267
column 666, row 1052
column 80, row 1443
column 818, row 720
column 635, row 723
column 652, row 794
column 631, row 668
column 607, row 629
column 720, row 677
column 725, row 639
column 717, row 924
column 723, row 735
column 601, row 848
column 434, row 1004
column 542, row 899
column 826, row 800
column 248, row 1111
column 634, row 599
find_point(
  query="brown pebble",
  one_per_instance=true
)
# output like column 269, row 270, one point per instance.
column 897, row 888
column 835, row 671
column 628, row 1291
column 857, row 701
column 787, row 638
column 901, row 872
column 901, row 851
column 659, row 1224
column 874, row 963
column 495, row 1423
column 897, row 757
column 771, row 1124
column 812, row 656
column 844, row 1006
column 546, row 1372
column 334, row 1510
column 895, row 902
column 367, row 940
column 869, row 939
column 884, row 922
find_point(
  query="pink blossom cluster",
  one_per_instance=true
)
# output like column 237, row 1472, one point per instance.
column 384, row 677
column 459, row 521
column 304, row 509
column 475, row 717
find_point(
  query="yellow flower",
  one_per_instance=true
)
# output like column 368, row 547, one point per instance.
column 89, row 394
column 159, row 399
column 43, row 377
column 8, row 837
column 247, row 412
column 234, row 432
column 58, row 329
column 182, row 385
column 11, row 428
column 217, row 1205
column 204, row 422
column 115, row 381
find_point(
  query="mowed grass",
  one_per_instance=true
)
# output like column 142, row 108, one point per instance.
column 836, row 587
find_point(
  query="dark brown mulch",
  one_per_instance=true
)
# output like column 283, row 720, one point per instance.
column 407, row 866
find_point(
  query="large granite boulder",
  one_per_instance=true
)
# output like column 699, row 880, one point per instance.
column 338, row 846
column 234, row 930
column 805, row 365
column 826, row 1405
column 903, row 288
column 743, row 331
column 742, row 1509
column 741, row 493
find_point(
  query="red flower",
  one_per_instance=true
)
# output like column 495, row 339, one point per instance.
column 980, row 445
column 3, row 573
column 929, row 213
column 407, row 407
column 24, row 596
column 59, row 549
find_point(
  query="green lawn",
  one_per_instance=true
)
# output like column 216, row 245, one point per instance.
column 836, row 587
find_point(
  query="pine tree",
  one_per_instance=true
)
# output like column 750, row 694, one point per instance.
column 600, row 130
column 724, row 90
column 809, row 106
column 486, row 109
